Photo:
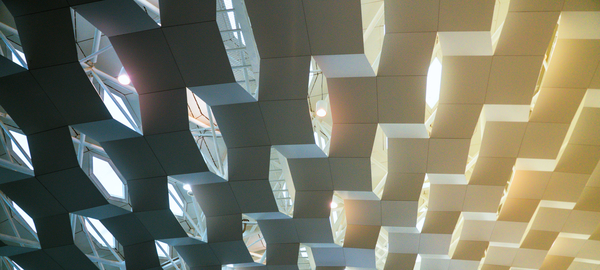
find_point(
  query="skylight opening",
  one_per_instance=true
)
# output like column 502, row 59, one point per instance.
column 434, row 82
column 22, row 140
column 102, row 230
column 25, row 216
column 115, row 111
column 162, row 249
column 174, row 199
column 16, row 60
column 17, row 266
column 108, row 178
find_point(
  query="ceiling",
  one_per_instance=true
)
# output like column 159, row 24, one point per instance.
column 501, row 173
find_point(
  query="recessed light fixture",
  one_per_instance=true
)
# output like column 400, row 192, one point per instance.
column 334, row 205
column 321, row 108
column 123, row 77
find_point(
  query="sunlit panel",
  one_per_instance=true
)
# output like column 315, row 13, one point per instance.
column 108, row 177
column 25, row 216
column 434, row 81
column 22, row 140
column 174, row 199
column 110, row 239
column 115, row 111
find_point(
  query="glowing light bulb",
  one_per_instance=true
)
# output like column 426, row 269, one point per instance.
column 334, row 205
column 321, row 108
column 187, row 187
column 124, row 79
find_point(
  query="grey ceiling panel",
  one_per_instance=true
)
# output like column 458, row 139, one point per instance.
column 334, row 27
column 36, row 260
column 33, row 197
column 141, row 50
column 353, row 100
column 175, row 12
column 279, row 230
column 283, row 78
column 177, row 152
column 70, row 90
column 231, row 252
column 198, row 255
column 164, row 111
column 403, row 186
column 8, row 68
column 351, row 174
column 283, row 21
column 283, row 254
column 54, row 231
column 73, row 189
column 361, row 236
column 283, row 267
column 254, row 196
column 249, row 163
column 394, row 260
column 22, row 7
column 344, row 138
column 10, row 175
column 107, row 130
column 134, row 158
column 127, row 229
column 148, row 194
column 200, row 54
column 102, row 212
column 223, row 94
column 239, row 126
column 401, row 99
column 70, row 257
column 224, row 228
column 52, row 151
column 287, row 121
column 314, row 230
column 329, row 257
column 115, row 17
column 408, row 155
column 36, row 38
column 312, row 204
column 199, row 178
column 358, row 257
column 141, row 256
column 411, row 16
column 10, row 250
column 39, row 114
column 161, row 224
column 406, row 54
column 301, row 151
column 216, row 199
column 318, row 177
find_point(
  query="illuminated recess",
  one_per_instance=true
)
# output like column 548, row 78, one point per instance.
column 99, row 231
column 175, row 201
column 434, row 82
column 114, row 110
column 108, row 178
column 22, row 140
column 25, row 216
column 162, row 249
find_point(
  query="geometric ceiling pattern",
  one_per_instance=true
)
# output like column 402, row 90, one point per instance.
column 214, row 158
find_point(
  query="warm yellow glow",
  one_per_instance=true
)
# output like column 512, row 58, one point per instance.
column 334, row 205
column 321, row 112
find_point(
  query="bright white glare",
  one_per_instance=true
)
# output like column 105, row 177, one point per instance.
column 103, row 231
column 108, row 177
column 304, row 254
column 334, row 205
column 321, row 112
column 321, row 107
column 434, row 81
column 17, row 266
column 420, row 224
column 16, row 60
column 22, row 140
column 164, row 247
column 322, row 142
column 243, row 40
column 316, row 138
column 228, row 4
column 124, row 79
column 232, row 21
column 114, row 109
column 25, row 216
column 187, row 187
column 172, row 203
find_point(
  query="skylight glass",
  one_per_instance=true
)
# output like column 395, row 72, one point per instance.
column 22, row 140
column 16, row 60
column 108, row 177
column 114, row 109
column 434, row 81
column 164, row 247
column 102, row 230
column 17, row 266
column 25, row 216
column 173, row 203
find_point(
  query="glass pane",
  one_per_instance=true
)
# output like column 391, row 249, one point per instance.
column 22, row 140
column 25, row 216
column 114, row 109
column 14, row 58
column 164, row 247
column 434, row 81
column 108, row 177
column 174, row 200
column 103, row 231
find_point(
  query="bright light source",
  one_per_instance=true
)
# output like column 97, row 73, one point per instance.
column 173, row 201
column 22, row 140
column 108, row 177
column 187, row 187
column 321, row 108
column 104, row 233
column 304, row 254
column 25, row 216
column 16, row 60
column 124, row 77
column 434, row 82
column 114, row 110
column 334, row 205
column 17, row 266
column 164, row 247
